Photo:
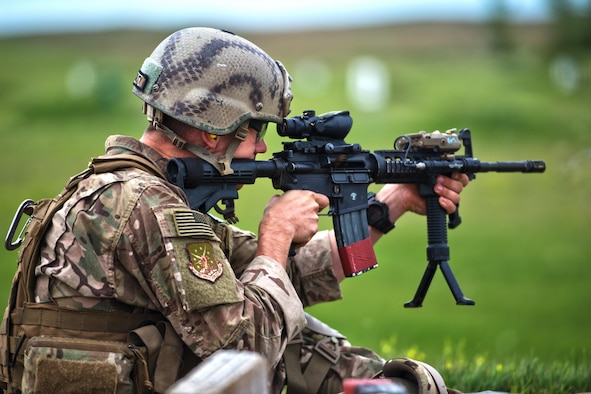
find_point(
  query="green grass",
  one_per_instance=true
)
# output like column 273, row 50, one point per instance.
column 522, row 253
column 478, row 372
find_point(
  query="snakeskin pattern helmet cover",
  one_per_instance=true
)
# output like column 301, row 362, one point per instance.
column 214, row 80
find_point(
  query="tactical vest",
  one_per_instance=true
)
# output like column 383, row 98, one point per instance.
column 43, row 346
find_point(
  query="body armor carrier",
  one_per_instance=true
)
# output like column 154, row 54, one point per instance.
column 118, row 352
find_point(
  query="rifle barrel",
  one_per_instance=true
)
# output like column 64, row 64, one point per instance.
column 514, row 166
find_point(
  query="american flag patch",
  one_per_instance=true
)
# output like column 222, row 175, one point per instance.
column 190, row 223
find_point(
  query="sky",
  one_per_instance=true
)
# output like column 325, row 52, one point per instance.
column 24, row 17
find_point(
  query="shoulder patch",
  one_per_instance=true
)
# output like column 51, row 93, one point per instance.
column 202, row 275
column 202, row 264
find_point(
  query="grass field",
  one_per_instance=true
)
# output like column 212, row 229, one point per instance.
column 523, row 252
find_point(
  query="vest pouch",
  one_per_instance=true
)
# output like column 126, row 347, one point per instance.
column 4, row 353
column 73, row 365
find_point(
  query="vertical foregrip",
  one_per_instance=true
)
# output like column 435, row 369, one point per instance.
column 436, row 222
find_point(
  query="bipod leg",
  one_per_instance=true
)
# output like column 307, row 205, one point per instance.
column 453, row 284
column 417, row 300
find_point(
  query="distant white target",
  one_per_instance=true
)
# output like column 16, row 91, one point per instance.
column 368, row 84
column 565, row 73
column 81, row 80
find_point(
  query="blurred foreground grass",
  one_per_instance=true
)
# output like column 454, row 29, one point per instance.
column 523, row 251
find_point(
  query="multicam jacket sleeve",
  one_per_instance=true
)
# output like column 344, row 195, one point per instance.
column 310, row 269
column 185, row 267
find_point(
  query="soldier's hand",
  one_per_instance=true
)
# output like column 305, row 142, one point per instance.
column 449, row 189
column 289, row 218
column 405, row 197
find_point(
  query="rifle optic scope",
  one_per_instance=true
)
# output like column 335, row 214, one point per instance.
column 333, row 125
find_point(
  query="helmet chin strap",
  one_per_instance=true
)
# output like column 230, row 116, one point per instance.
column 221, row 163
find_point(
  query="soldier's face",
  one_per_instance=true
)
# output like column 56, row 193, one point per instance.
column 248, row 149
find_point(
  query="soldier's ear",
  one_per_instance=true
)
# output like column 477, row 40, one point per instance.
column 208, row 140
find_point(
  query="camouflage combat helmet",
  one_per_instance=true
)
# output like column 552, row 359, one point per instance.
column 214, row 81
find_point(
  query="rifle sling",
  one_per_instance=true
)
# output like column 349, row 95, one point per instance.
column 165, row 350
column 310, row 380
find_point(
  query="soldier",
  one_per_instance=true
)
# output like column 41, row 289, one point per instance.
column 127, row 242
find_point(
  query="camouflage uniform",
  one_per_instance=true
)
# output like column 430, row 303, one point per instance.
column 127, row 241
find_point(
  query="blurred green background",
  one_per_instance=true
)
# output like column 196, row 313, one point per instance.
column 523, row 252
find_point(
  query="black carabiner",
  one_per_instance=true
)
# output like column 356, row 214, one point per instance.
column 9, row 242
